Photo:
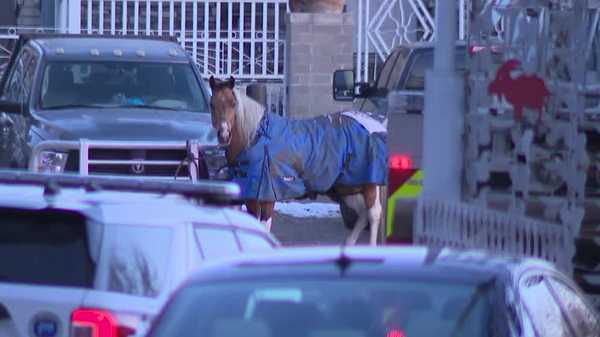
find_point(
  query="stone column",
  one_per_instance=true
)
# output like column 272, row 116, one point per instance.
column 29, row 13
column 317, row 45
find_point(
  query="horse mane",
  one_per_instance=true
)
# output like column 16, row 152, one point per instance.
column 248, row 114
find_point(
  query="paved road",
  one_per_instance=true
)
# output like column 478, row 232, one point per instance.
column 293, row 231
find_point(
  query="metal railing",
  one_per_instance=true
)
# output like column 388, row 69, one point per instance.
column 456, row 225
column 138, row 164
column 243, row 38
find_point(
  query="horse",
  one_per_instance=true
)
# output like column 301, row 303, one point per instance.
column 267, row 174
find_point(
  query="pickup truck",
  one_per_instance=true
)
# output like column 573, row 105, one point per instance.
column 402, row 73
column 107, row 105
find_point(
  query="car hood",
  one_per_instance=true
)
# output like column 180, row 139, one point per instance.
column 123, row 124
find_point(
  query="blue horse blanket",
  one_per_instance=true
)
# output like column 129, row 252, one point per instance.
column 291, row 159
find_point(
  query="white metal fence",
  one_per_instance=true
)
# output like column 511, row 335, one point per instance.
column 457, row 225
column 390, row 23
column 243, row 38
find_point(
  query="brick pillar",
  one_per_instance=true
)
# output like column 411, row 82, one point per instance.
column 29, row 14
column 317, row 45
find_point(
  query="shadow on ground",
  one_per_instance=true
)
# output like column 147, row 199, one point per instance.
column 293, row 231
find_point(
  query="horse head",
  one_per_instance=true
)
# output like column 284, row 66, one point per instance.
column 222, row 105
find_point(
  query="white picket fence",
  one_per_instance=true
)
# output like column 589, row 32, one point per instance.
column 457, row 225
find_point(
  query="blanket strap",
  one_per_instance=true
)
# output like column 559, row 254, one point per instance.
column 265, row 169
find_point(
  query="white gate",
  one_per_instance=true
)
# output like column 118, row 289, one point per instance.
column 385, row 24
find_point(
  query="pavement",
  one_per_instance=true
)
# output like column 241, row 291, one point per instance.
column 311, row 223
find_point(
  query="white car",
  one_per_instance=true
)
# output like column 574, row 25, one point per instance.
column 101, row 264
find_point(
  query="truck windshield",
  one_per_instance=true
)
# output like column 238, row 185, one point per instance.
column 165, row 86
column 320, row 307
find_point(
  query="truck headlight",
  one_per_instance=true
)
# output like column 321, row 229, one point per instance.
column 52, row 162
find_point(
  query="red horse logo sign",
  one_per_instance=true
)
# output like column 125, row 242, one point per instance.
column 524, row 91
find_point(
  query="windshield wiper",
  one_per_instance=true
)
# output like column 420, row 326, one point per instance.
column 72, row 106
column 146, row 106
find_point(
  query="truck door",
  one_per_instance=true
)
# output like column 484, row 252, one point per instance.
column 375, row 101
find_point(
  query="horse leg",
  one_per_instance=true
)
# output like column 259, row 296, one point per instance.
column 374, row 214
column 262, row 210
column 357, row 203
column 266, row 214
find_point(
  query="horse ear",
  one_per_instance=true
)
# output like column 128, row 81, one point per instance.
column 231, row 82
column 211, row 82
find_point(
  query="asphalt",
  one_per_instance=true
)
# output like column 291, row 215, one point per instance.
column 294, row 231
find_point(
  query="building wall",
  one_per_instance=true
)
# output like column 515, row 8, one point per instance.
column 317, row 45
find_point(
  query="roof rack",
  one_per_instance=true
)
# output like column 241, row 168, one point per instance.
column 205, row 191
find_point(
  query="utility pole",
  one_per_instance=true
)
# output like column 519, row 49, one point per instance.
column 443, row 115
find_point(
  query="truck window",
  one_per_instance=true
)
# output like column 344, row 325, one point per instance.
column 18, row 86
column 420, row 63
column 108, row 84
column 386, row 70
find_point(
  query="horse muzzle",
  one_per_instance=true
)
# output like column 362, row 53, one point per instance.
column 224, row 135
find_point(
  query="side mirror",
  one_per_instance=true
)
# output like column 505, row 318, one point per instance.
column 343, row 85
column 362, row 90
column 11, row 107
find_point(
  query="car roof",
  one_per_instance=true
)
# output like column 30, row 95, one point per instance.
column 395, row 262
column 126, row 208
column 82, row 47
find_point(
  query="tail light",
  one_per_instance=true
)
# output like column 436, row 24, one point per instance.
column 395, row 333
column 97, row 323
column 400, row 162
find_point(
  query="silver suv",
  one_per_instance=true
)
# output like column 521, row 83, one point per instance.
column 102, row 263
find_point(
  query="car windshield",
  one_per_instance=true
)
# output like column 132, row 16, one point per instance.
column 165, row 86
column 330, row 308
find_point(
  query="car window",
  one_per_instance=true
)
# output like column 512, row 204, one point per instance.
column 582, row 317
column 253, row 242
column 544, row 314
column 216, row 242
column 46, row 248
column 170, row 86
column 303, row 306
column 137, row 259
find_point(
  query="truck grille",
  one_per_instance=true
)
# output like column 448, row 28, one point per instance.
column 146, row 163
column 145, row 159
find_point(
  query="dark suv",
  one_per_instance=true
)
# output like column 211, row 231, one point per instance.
column 106, row 106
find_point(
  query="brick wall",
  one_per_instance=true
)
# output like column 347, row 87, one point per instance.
column 317, row 45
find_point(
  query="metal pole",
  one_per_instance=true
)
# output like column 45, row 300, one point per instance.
column 443, row 116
